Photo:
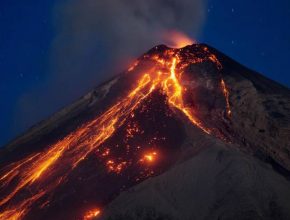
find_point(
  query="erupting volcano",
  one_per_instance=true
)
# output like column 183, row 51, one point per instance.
column 167, row 109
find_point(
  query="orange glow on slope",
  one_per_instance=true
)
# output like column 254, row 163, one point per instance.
column 115, row 167
column 42, row 173
column 174, row 92
column 20, row 211
column 149, row 157
column 70, row 150
column 92, row 214
column 226, row 94
column 177, row 39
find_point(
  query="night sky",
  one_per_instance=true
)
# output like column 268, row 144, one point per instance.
column 255, row 33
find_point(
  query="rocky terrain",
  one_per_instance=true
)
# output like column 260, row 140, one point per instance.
column 217, row 183
column 137, row 147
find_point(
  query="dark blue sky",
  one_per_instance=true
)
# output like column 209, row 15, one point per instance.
column 254, row 32
column 25, row 37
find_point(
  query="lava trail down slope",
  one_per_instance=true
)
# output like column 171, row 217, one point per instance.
column 137, row 126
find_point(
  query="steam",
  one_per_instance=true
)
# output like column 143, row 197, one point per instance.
column 124, row 28
column 97, row 38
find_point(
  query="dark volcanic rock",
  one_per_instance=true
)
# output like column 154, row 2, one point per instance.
column 218, row 183
column 240, row 170
column 222, row 181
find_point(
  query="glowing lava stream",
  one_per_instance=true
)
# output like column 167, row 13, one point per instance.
column 40, row 174
column 92, row 214
column 226, row 94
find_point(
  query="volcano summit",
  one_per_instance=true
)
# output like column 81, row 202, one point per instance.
column 182, row 134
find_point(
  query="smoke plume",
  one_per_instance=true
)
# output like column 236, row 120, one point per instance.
column 97, row 38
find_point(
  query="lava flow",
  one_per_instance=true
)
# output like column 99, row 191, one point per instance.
column 92, row 214
column 30, row 183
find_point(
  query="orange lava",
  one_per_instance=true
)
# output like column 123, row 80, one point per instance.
column 226, row 94
column 115, row 167
column 40, row 174
column 149, row 157
column 92, row 214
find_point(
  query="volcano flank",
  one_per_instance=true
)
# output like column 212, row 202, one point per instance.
column 184, row 133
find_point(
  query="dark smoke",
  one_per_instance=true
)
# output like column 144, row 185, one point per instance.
column 97, row 38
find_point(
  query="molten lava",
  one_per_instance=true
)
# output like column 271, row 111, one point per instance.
column 226, row 94
column 92, row 214
column 35, row 178
column 149, row 157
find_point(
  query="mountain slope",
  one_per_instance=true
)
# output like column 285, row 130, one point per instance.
column 218, row 183
column 173, row 109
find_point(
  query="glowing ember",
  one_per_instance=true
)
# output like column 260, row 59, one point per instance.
column 39, row 175
column 115, row 167
column 92, row 214
column 149, row 157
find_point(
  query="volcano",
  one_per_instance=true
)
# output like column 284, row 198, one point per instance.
column 184, row 133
